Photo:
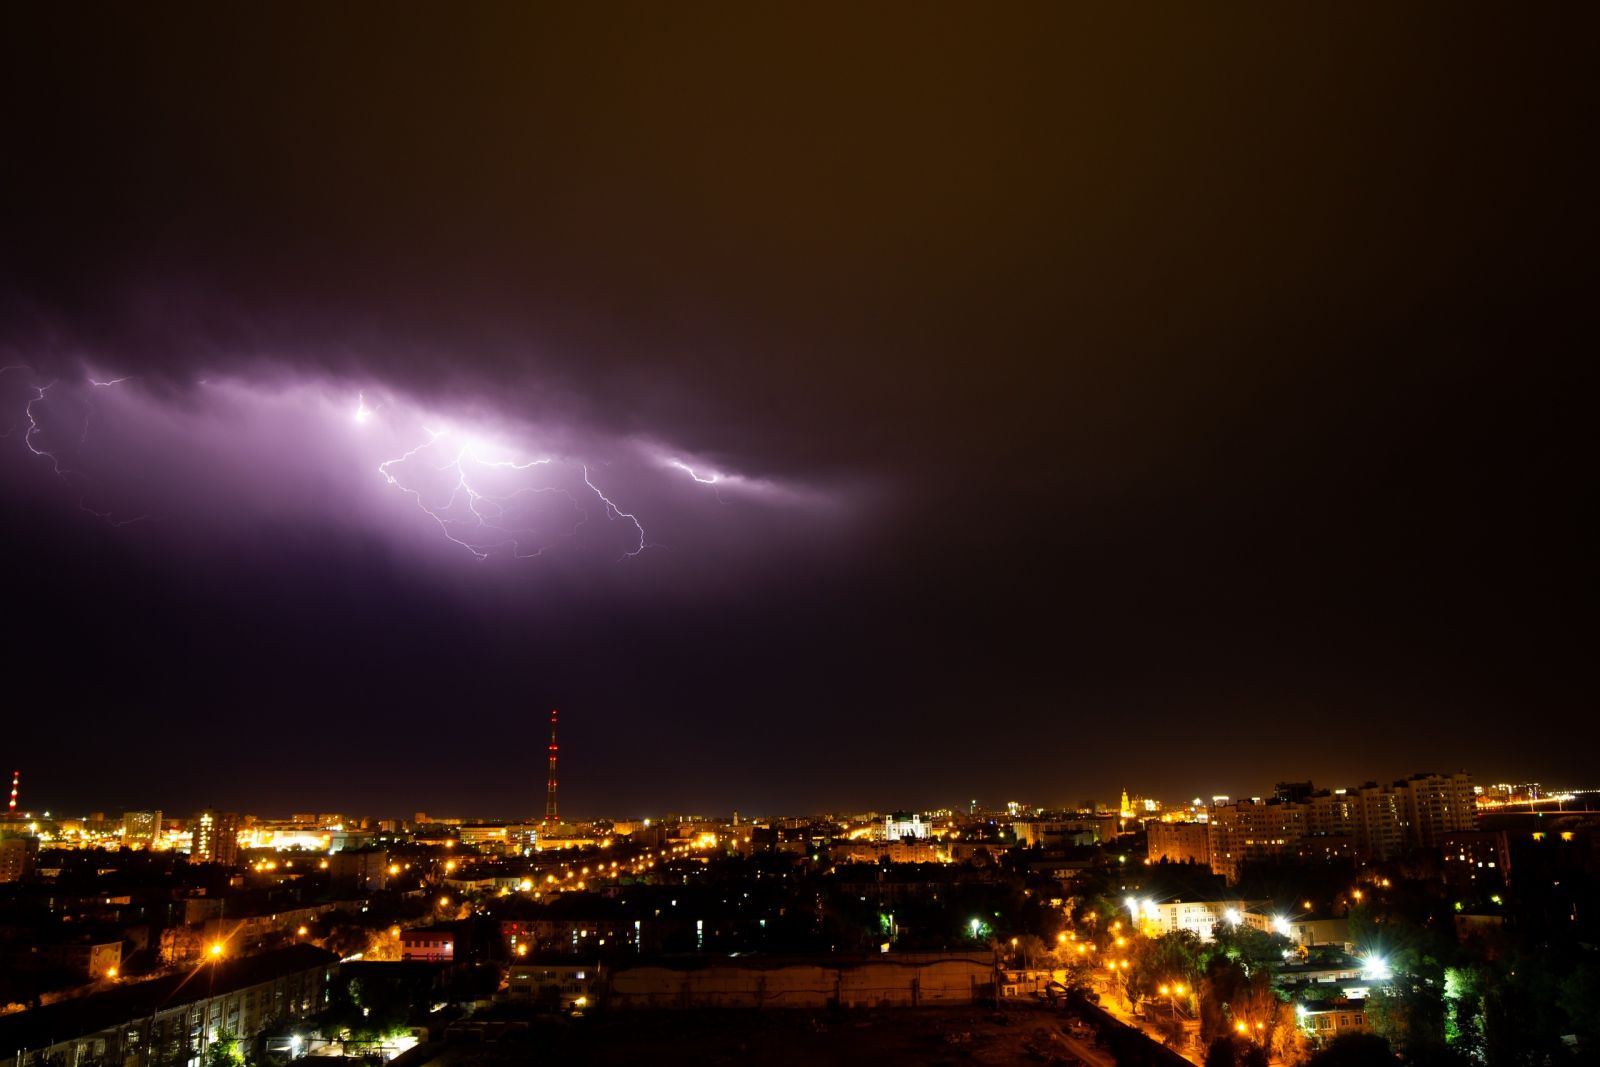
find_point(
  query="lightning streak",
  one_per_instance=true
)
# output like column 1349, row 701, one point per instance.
column 478, row 520
column 711, row 479
column 614, row 512
column 34, row 430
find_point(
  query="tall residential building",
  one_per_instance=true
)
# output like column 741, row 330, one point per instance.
column 140, row 829
column 1438, row 805
column 1246, row 830
column 17, row 857
column 214, row 837
column 1179, row 842
column 1380, row 821
column 1372, row 822
column 360, row 870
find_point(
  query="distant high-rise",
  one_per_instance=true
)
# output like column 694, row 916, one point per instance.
column 16, row 777
column 550, row 813
column 1371, row 822
column 140, row 828
column 214, row 838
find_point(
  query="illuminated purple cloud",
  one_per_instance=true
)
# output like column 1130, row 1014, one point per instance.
column 458, row 479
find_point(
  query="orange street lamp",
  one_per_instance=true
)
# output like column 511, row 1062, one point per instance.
column 216, row 949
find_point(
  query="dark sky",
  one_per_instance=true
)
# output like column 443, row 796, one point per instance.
column 1178, row 401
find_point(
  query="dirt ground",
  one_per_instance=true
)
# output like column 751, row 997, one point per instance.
column 938, row 1036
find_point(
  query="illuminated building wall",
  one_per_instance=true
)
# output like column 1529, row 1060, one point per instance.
column 901, row 825
column 141, row 829
column 1179, row 842
column 435, row 946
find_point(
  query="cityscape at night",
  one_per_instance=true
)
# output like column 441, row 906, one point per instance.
column 798, row 534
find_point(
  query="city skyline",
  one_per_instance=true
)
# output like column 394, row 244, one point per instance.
column 1578, row 797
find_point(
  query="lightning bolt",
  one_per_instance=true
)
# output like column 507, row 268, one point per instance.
column 88, row 413
column 34, row 430
column 613, row 512
column 712, row 479
column 484, row 526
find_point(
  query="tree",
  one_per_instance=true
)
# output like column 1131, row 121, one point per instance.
column 1409, row 1012
column 1464, row 1001
column 1031, row 952
column 224, row 1051
column 1231, row 997
column 1234, row 1051
column 1171, row 959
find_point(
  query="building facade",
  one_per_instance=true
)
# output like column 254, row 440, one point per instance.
column 18, row 856
column 1179, row 842
column 214, row 838
column 1368, row 823
column 140, row 829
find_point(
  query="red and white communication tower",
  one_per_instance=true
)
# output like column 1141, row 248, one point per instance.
column 16, row 777
column 550, row 786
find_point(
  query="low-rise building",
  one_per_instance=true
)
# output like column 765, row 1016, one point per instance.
column 1322, row 1020
column 567, row 983
column 172, row 1021
column 1199, row 917
column 433, row 945
column 1474, row 855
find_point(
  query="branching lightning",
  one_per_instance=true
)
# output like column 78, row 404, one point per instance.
column 480, row 496
column 477, row 519
column 34, row 431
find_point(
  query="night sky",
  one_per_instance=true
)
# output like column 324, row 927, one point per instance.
column 1152, row 400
